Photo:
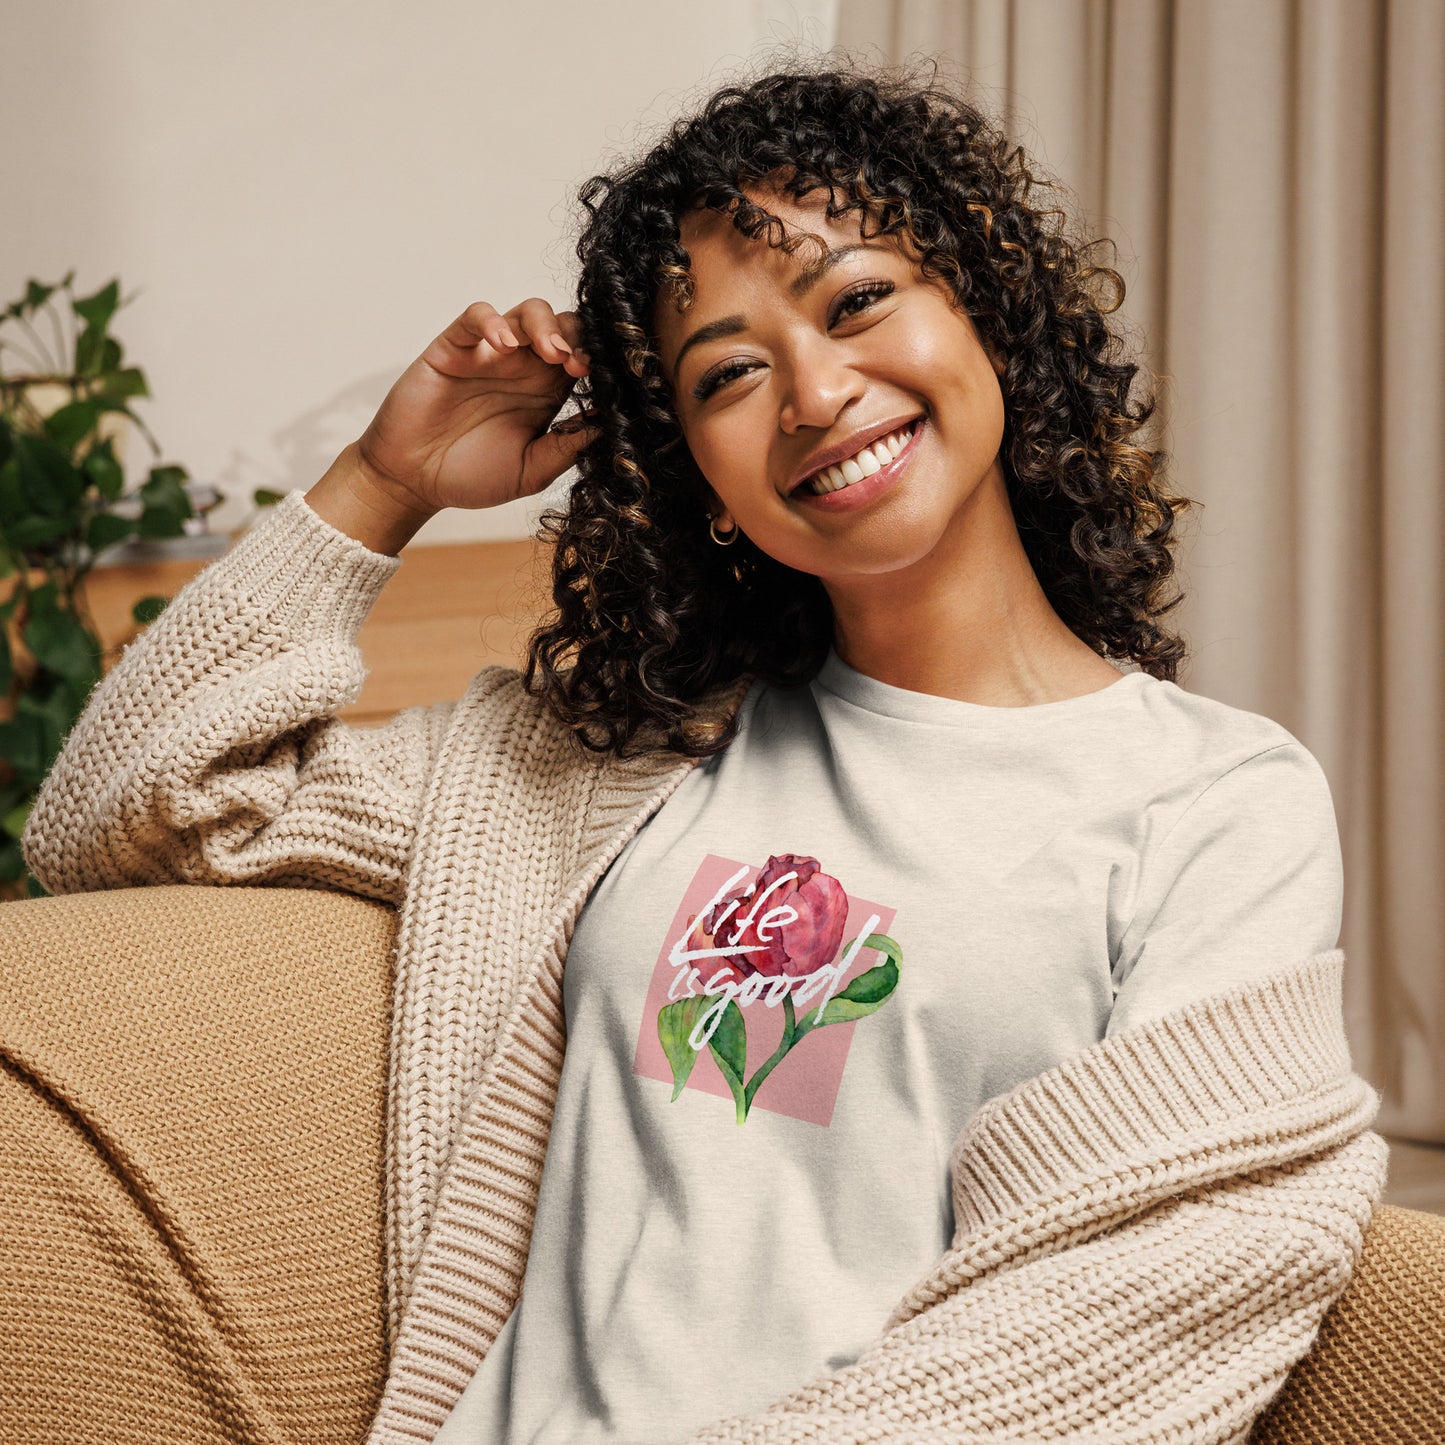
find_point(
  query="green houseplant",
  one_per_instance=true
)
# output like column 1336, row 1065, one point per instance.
column 65, row 402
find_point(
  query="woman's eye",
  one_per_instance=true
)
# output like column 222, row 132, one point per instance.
column 717, row 377
column 851, row 303
column 865, row 294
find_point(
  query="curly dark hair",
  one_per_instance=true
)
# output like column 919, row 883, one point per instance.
column 650, row 615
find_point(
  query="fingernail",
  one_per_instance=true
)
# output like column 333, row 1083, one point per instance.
column 558, row 342
column 508, row 337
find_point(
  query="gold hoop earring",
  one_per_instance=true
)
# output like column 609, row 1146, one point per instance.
column 724, row 541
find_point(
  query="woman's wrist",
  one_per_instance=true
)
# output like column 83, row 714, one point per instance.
column 356, row 500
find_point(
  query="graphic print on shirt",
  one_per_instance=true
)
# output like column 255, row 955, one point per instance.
column 759, row 983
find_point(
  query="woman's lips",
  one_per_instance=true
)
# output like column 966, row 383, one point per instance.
column 860, row 494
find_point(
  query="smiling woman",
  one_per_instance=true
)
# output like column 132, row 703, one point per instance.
column 809, row 266
column 833, row 1000
column 782, row 404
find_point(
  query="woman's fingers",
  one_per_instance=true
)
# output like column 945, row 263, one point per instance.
column 552, row 336
column 552, row 452
column 482, row 333
column 537, row 319
column 570, row 324
column 476, row 338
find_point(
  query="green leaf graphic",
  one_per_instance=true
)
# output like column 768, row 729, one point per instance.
column 729, row 1045
column 729, row 1042
column 675, row 1022
column 867, row 993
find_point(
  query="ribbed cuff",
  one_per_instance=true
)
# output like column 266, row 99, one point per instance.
column 1250, row 1050
column 313, row 574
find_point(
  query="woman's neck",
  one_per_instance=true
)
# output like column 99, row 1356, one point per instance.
column 968, row 621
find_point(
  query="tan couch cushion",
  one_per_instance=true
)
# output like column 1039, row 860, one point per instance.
column 191, row 1139
column 191, row 1126
column 1376, row 1372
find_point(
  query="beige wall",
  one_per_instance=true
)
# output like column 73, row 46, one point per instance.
column 302, row 195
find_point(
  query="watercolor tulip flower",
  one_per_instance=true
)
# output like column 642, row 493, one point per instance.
column 789, row 924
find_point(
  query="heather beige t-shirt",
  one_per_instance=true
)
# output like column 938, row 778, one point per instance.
column 874, row 911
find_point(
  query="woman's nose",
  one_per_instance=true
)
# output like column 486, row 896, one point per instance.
column 819, row 383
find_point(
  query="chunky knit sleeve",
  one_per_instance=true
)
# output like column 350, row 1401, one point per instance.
column 1148, row 1238
column 210, row 752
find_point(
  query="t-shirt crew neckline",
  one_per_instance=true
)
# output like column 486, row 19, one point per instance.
column 855, row 687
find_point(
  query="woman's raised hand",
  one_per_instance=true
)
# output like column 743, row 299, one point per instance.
column 467, row 423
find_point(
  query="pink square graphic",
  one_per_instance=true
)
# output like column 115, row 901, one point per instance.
column 805, row 1084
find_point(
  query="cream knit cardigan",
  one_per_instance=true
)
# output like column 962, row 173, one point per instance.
column 1147, row 1235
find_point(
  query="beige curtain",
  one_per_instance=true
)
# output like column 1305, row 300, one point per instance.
column 1274, row 174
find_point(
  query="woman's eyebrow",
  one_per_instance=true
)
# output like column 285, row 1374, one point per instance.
column 811, row 275
column 820, row 268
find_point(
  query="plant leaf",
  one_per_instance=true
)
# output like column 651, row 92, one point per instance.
column 675, row 1021
column 22, row 745
column 43, row 598
column 68, row 425
column 97, row 309
column 89, row 352
column 55, row 713
column 35, row 531
column 14, row 821
column 7, row 669
column 36, row 295
column 127, row 382
column 148, row 609
column 105, row 529
column 60, row 642
column 101, row 467
column 166, row 503
column 12, row 494
column 166, row 483
column 51, row 484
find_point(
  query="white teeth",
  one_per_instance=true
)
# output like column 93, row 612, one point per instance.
column 871, row 459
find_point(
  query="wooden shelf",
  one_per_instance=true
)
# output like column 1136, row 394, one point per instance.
column 451, row 609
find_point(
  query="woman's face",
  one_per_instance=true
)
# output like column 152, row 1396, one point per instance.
column 779, row 367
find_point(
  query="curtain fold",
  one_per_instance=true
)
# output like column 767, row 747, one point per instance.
column 1273, row 174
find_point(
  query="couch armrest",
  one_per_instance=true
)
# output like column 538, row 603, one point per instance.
column 192, row 1113
column 1376, row 1371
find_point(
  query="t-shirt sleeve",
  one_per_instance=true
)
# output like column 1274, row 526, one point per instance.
column 1249, row 880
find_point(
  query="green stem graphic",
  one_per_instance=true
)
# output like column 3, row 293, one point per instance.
column 790, row 1037
column 728, row 1043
